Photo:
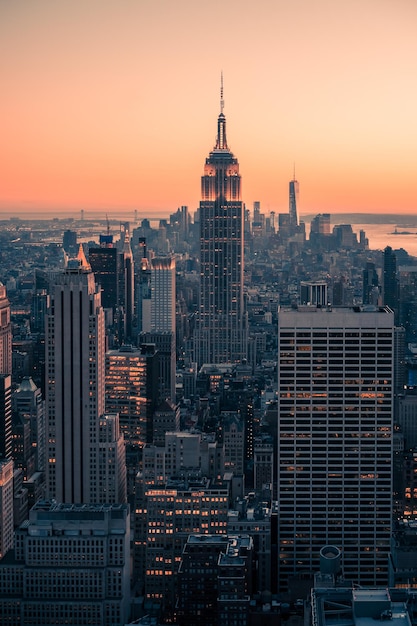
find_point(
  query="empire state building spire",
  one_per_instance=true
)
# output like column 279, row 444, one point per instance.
column 221, row 143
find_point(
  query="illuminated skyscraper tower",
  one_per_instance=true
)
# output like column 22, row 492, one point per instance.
column 220, row 331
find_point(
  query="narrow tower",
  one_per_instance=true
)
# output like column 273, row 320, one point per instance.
column 293, row 189
column 220, row 332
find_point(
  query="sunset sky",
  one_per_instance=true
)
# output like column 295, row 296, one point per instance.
column 113, row 104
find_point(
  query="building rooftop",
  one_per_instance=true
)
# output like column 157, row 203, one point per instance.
column 361, row 607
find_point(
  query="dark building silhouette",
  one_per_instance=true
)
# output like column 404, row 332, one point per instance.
column 293, row 192
column 391, row 285
column 5, row 416
column 370, row 293
column 114, row 271
column 105, row 264
column 69, row 242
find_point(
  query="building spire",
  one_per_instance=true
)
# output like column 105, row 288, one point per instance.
column 221, row 142
column 221, row 94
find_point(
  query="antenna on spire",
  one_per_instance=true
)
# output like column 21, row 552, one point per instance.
column 294, row 172
column 221, row 94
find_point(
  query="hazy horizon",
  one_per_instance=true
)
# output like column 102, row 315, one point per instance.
column 113, row 105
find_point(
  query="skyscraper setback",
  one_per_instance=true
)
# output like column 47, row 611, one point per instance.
column 220, row 332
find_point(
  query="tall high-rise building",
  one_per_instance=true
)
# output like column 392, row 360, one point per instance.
column 5, row 416
column 293, row 193
column 391, row 283
column 163, row 294
column 220, row 329
column 335, row 423
column 131, row 391
column 143, row 289
column 113, row 269
column 370, row 282
column 164, row 342
column 163, row 326
column 6, row 506
column 112, row 461
column 28, row 404
column 127, row 286
column 105, row 263
column 5, row 333
column 75, row 349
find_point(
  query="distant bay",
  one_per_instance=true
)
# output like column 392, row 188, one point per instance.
column 397, row 231
column 385, row 229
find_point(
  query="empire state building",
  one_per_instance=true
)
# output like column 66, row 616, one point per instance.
column 221, row 329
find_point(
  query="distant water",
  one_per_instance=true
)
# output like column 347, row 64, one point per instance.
column 381, row 235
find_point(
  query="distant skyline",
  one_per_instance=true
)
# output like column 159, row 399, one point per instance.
column 113, row 105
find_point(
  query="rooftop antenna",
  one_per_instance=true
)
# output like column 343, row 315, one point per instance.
column 108, row 224
column 221, row 94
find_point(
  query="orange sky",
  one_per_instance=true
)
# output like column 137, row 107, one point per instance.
column 113, row 104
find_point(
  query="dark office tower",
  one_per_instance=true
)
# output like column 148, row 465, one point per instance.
column 127, row 291
column 143, row 252
column 293, row 189
column 143, row 294
column 105, row 264
column 164, row 342
column 75, row 349
column 371, row 292
column 29, row 406
column 220, row 594
column 220, row 331
column 38, row 307
column 69, row 242
column 5, row 416
column 391, row 285
column 5, row 333
column 335, row 440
